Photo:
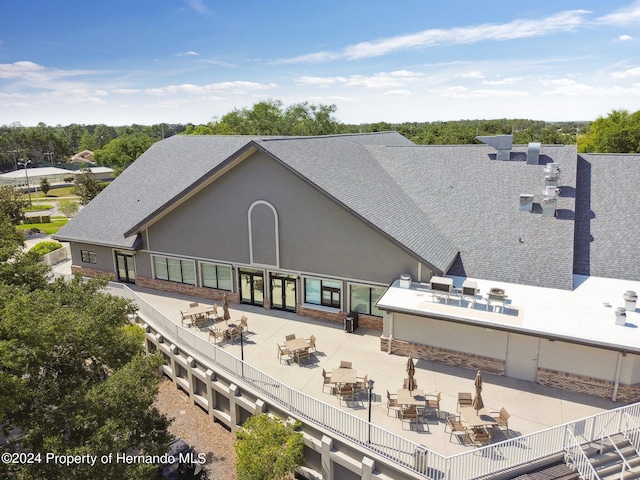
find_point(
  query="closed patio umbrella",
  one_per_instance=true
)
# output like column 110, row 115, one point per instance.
column 411, row 370
column 477, row 402
column 225, row 307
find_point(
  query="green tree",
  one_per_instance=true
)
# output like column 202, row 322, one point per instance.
column 44, row 185
column 68, row 207
column 619, row 132
column 42, row 248
column 268, row 449
column 123, row 151
column 73, row 377
column 86, row 186
column 12, row 204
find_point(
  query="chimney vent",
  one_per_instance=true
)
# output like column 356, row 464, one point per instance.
column 502, row 143
column 526, row 202
column 533, row 153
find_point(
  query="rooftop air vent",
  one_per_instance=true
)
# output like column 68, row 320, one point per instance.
column 502, row 143
column 551, row 175
column 526, row 202
column 549, row 200
column 533, row 153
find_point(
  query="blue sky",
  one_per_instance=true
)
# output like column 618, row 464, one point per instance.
column 181, row 61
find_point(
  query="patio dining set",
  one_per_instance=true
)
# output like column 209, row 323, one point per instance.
column 344, row 381
column 296, row 348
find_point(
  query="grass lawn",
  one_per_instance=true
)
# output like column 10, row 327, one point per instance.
column 37, row 207
column 53, row 193
column 48, row 228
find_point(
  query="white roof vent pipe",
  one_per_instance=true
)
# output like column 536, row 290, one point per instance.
column 549, row 200
column 502, row 143
column 551, row 175
column 533, row 153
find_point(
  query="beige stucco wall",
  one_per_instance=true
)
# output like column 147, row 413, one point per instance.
column 578, row 359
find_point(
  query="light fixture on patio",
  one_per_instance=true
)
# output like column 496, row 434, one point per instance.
column 26, row 172
column 370, row 390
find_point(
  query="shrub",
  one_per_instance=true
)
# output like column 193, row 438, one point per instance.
column 43, row 248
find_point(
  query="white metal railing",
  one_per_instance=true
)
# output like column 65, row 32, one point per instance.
column 476, row 463
column 631, row 432
column 578, row 458
column 625, row 465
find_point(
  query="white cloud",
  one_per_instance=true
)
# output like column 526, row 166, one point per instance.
column 624, row 16
column 624, row 38
column 631, row 72
column 474, row 74
column 397, row 93
column 189, row 53
column 571, row 88
column 561, row 22
column 198, row 6
column 237, row 87
column 459, row 91
column 396, row 78
column 504, row 81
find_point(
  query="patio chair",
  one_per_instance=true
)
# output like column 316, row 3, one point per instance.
column 410, row 414
column 326, row 380
column 185, row 316
column 464, row 400
column 212, row 312
column 232, row 333
column 344, row 364
column 392, row 403
column 361, row 383
column 244, row 325
column 290, row 337
column 406, row 383
column 302, row 353
column 312, row 343
column 457, row 428
column 433, row 402
column 347, row 392
column 479, row 437
column 216, row 333
column 502, row 419
column 283, row 351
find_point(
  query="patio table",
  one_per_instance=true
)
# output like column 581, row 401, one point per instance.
column 198, row 312
column 295, row 345
column 341, row 376
column 414, row 397
column 481, row 418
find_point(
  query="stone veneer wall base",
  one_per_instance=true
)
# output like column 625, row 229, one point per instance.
column 588, row 385
column 441, row 355
column 184, row 289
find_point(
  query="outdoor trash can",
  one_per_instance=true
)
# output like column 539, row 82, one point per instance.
column 351, row 322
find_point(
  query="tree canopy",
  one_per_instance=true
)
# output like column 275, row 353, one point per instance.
column 86, row 186
column 619, row 132
column 12, row 204
column 268, row 448
column 73, row 377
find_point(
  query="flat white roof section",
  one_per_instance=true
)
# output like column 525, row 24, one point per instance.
column 585, row 315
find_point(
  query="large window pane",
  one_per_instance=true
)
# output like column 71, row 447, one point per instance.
column 188, row 272
column 376, row 293
column 224, row 278
column 175, row 272
column 360, row 299
column 312, row 291
column 209, row 278
column 160, row 266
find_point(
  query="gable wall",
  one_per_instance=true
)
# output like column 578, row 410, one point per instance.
column 315, row 234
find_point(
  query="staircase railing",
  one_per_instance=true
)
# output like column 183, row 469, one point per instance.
column 631, row 432
column 625, row 464
column 574, row 453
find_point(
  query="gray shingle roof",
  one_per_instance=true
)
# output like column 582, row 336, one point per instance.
column 474, row 200
column 607, row 216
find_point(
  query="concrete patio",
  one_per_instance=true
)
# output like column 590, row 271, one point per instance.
column 532, row 407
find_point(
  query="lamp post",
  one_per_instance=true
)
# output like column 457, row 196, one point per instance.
column 26, row 172
column 242, row 350
column 370, row 389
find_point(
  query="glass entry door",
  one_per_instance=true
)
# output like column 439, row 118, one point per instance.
column 283, row 293
column 126, row 264
column 251, row 286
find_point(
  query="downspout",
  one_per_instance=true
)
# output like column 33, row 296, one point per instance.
column 390, row 332
column 616, row 382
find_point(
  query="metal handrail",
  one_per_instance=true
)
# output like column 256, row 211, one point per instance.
column 579, row 458
column 625, row 464
column 632, row 432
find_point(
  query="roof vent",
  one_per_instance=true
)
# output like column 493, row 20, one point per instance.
column 549, row 200
column 533, row 153
column 526, row 202
column 551, row 175
column 502, row 143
